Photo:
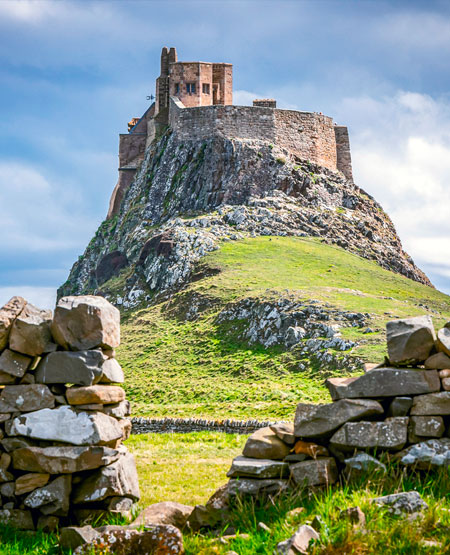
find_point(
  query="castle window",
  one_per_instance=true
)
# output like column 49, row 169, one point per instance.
column 190, row 88
column 205, row 88
column 177, row 88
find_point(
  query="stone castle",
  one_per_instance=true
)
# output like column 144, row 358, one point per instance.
column 195, row 99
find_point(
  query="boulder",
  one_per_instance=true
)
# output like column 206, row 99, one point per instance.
column 8, row 313
column 323, row 420
column 167, row 512
column 257, row 487
column 438, row 361
column 86, row 322
column 30, row 332
column 285, row 431
column 400, row 406
column 314, row 473
column 66, row 425
column 410, row 340
column 80, row 367
column 14, row 364
column 265, row 444
column 362, row 464
column 17, row 518
column 390, row 434
column 434, row 404
column 400, row 503
column 117, row 479
column 72, row 537
column 63, row 460
column 421, row 427
column 53, row 498
column 443, row 340
column 430, row 453
column 112, row 372
column 257, row 468
column 161, row 539
column 26, row 398
column 102, row 394
column 384, row 382
column 30, row 482
column 300, row 542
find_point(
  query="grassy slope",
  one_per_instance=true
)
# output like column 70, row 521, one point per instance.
column 184, row 368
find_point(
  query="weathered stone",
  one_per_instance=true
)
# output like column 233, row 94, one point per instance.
column 362, row 465
column 30, row 482
column 443, row 340
column 16, row 518
column 28, row 379
column 314, row 473
column 30, row 332
column 48, row 524
column 63, row 460
column 8, row 490
column 438, row 361
column 11, row 443
column 400, row 503
column 285, row 431
column 52, row 499
column 300, row 542
column 294, row 457
column 410, row 340
column 119, row 504
column 80, row 368
column 117, row 479
column 446, row 384
column 264, row 444
column 400, row 406
column 13, row 363
column 421, row 427
column 6, row 379
column 86, row 322
column 26, row 398
column 126, row 426
column 434, row 404
column 384, row 382
column 118, row 410
column 257, row 468
column 390, row 434
column 257, row 487
column 8, row 313
column 102, row 394
column 355, row 515
column 323, row 420
column 311, row 450
column 72, row 537
column 444, row 373
column 433, row 452
column 213, row 513
column 66, row 425
column 5, row 461
column 166, row 512
column 112, row 372
column 160, row 539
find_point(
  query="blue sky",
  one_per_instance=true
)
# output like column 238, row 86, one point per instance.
column 73, row 73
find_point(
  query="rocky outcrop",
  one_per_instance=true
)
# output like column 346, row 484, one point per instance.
column 189, row 196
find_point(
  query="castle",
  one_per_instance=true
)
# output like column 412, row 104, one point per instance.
column 195, row 99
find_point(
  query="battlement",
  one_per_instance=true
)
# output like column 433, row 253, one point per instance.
column 195, row 100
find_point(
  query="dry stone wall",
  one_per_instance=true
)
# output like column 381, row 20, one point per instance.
column 401, row 408
column 62, row 416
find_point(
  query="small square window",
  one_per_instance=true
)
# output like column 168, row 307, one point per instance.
column 205, row 88
column 190, row 88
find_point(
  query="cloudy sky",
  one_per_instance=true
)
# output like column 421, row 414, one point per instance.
column 73, row 73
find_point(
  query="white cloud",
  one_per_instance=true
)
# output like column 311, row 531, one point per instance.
column 42, row 297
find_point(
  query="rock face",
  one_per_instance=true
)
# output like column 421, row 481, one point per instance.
column 48, row 442
column 410, row 340
column 87, row 322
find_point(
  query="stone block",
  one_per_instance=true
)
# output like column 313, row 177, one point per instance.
column 257, row 487
column 438, row 361
column 53, row 498
column 79, row 368
column 427, row 454
column 26, row 398
column 72, row 537
column 443, row 340
column 285, row 431
column 434, row 404
column 30, row 482
column 385, row 382
column 390, row 435
column 102, row 394
column 323, row 420
column 257, row 468
column 30, row 332
column 410, row 340
column 8, row 313
column 314, row 473
column 421, row 427
column 265, row 444
column 400, row 406
column 408, row 502
column 17, row 518
column 14, row 364
column 300, row 542
column 166, row 512
column 362, row 465
column 112, row 372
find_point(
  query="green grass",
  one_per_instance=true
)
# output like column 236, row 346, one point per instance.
column 176, row 367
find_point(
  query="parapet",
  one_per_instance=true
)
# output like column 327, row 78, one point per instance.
column 265, row 102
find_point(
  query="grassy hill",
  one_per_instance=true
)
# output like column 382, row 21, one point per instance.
column 178, row 364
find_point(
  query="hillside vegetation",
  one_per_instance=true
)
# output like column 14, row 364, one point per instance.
column 181, row 361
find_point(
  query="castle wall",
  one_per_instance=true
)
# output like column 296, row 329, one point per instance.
column 344, row 157
column 308, row 135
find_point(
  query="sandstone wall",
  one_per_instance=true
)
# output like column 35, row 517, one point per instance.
column 62, row 418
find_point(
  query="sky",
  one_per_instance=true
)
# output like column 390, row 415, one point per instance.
column 72, row 74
